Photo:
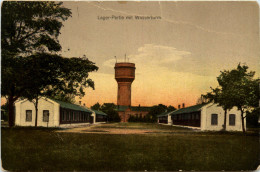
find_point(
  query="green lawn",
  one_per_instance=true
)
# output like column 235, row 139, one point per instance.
column 45, row 149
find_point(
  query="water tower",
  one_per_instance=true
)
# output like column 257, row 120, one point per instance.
column 124, row 75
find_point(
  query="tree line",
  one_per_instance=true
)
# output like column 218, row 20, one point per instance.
column 111, row 110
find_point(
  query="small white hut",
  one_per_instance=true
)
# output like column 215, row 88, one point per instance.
column 165, row 118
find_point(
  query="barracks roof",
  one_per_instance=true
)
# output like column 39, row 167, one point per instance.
column 99, row 112
column 163, row 114
column 166, row 113
column 190, row 109
column 72, row 106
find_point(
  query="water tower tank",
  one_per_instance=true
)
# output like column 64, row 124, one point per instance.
column 124, row 75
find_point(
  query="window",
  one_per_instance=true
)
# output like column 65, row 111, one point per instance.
column 232, row 119
column 73, row 116
column 45, row 115
column 67, row 115
column 77, row 116
column 214, row 119
column 197, row 116
column 63, row 115
column 28, row 116
column 88, row 117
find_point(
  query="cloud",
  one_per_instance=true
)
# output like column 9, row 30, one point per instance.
column 158, row 54
column 153, row 55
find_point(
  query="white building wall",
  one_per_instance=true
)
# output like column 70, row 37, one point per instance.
column 203, row 119
column 169, row 119
column 56, row 118
column 215, row 109
column 17, row 113
column 20, row 115
column 94, row 116
column 238, row 120
column 43, row 104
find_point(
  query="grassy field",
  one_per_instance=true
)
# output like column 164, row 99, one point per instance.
column 45, row 149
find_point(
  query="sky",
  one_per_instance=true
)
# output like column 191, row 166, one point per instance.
column 178, row 54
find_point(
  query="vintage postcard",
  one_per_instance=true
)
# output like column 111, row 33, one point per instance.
column 130, row 85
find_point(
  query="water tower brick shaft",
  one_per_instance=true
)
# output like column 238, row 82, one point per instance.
column 124, row 75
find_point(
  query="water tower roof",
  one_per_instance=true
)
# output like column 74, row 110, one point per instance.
column 125, row 64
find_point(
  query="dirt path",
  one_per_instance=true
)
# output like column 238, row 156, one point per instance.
column 101, row 130
column 98, row 129
column 112, row 129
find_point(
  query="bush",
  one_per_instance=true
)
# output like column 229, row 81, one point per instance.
column 252, row 118
column 145, row 119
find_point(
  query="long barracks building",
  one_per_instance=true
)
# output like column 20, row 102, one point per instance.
column 209, row 116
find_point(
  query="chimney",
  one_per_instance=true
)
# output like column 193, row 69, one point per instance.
column 139, row 105
column 183, row 105
column 179, row 106
column 80, row 102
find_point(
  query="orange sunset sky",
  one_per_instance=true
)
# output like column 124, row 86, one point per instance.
column 177, row 56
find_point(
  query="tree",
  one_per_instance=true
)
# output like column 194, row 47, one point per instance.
column 222, row 98
column 202, row 100
column 58, row 95
column 109, row 109
column 40, row 70
column 52, row 73
column 244, row 89
column 29, row 27
column 96, row 106
column 237, row 88
column 156, row 110
column 4, row 109
column 26, row 28
column 252, row 119
column 170, row 108
column 12, row 82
